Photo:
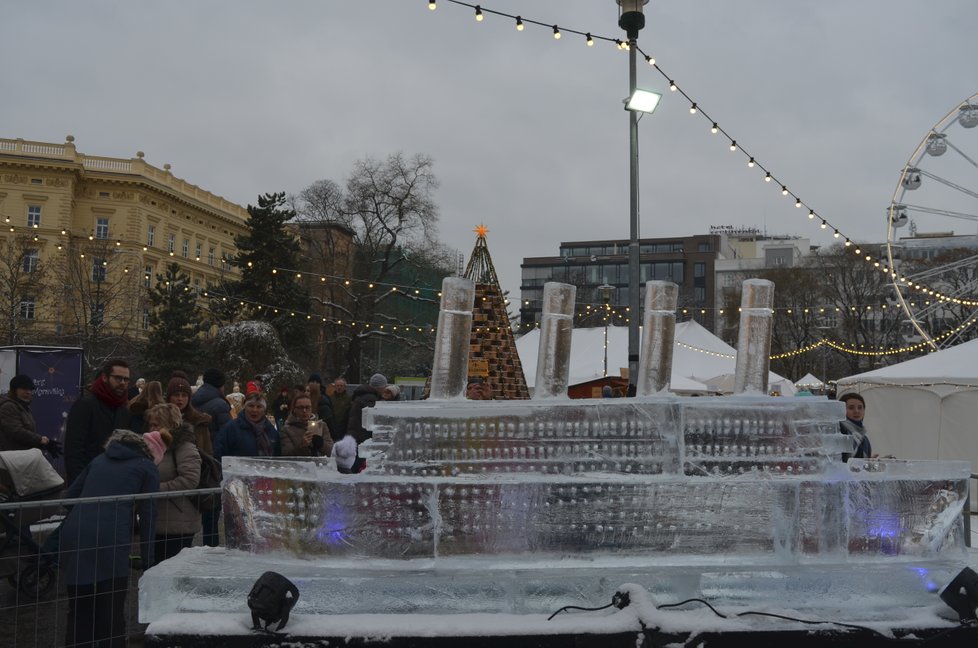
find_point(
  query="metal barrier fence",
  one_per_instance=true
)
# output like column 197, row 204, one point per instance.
column 36, row 597
column 42, row 604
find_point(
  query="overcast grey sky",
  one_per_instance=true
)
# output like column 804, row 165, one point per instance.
column 528, row 134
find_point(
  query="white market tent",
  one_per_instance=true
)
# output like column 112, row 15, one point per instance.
column 702, row 362
column 925, row 408
column 809, row 382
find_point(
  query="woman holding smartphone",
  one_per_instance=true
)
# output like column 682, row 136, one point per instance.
column 302, row 435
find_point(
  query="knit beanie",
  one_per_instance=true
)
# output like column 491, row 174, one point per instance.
column 345, row 452
column 156, row 445
column 378, row 381
column 316, row 378
column 214, row 377
column 178, row 385
column 21, row 381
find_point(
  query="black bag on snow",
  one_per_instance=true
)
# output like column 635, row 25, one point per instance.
column 271, row 599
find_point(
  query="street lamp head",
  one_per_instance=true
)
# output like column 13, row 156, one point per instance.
column 642, row 101
column 631, row 17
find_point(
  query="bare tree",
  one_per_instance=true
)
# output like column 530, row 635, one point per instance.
column 389, row 212
column 104, row 298
column 22, row 278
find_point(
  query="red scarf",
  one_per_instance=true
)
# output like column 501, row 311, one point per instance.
column 105, row 394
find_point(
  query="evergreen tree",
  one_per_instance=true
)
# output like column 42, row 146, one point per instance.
column 174, row 322
column 269, row 295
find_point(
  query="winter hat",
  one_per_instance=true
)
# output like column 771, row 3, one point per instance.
column 20, row 381
column 156, row 445
column 316, row 378
column 394, row 390
column 214, row 377
column 378, row 381
column 177, row 385
column 345, row 452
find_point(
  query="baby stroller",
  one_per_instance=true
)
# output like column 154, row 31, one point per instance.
column 26, row 476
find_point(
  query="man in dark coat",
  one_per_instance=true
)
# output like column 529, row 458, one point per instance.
column 209, row 399
column 93, row 417
column 17, row 428
column 364, row 396
column 341, row 402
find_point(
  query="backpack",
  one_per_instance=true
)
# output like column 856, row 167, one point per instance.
column 210, row 477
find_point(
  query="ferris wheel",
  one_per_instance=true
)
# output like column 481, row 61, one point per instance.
column 932, row 231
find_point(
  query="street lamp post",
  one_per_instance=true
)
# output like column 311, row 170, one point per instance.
column 606, row 291
column 632, row 19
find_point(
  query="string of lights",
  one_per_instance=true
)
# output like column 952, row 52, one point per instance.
column 752, row 160
column 35, row 234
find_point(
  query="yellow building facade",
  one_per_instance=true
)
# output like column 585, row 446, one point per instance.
column 85, row 236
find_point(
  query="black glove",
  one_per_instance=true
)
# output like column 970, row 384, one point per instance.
column 53, row 447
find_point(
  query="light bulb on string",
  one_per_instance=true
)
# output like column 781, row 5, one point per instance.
column 824, row 225
column 797, row 202
column 556, row 33
column 811, row 214
column 692, row 109
column 836, row 234
column 733, row 145
column 650, row 60
column 672, row 85
column 432, row 5
column 589, row 40
column 478, row 13
column 715, row 128
column 750, row 163
column 767, row 177
column 784, row 190
column 519, row 24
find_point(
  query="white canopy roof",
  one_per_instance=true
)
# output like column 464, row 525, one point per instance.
column 699, row 356
column 809, row 381
column 956, row 365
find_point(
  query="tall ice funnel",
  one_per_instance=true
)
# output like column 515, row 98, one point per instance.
column 658, row 337
column 556, row 330
column 754, row 342
column 450, row 365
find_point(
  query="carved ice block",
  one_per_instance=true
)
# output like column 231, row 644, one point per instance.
column 754, row 341
column 450, row 366
column 556, row 330
column 658, row 337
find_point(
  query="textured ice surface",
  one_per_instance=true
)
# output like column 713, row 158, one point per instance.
column 556, row 331
column 754, row 340
column 525, row 506
column 451, row 360
column 658, row 338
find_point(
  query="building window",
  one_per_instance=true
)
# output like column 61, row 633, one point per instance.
column 98, row 269
column 31, row 260
column 171, row 242
column 151, row 235
column 28, row 308
column 33, row 215
column 703, row 247
column 186, row 248
column 210, row 256
column 699, row 270
column 197, row 251
column 102, row 228
column 197, row 286
column 699, row 294
column 148, row 276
